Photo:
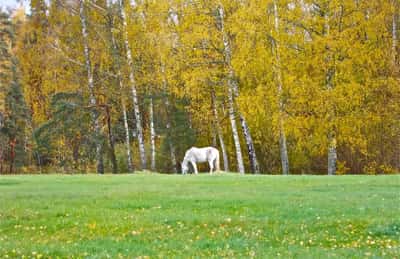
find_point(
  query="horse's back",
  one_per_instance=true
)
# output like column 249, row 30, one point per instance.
column 211, row 151
column 207, row 150
column 202, row 154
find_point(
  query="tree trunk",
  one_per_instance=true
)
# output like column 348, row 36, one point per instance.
column 232, row 118
column 395, row 61
column 213, row 136
column 233, row 84
column 117, row 65
column 1, row 160
column 111, row 141
column 93, row 102
column 75, row 153
column 332, row 153
column 394, row 35
column 127, row 136
column 250, row 146
column 231, row 91
column 172, row 151
column 142, row 151
column 13, row 143
column 283, row 150
column 127, row 139
column 168, row 124
column 174, row 19
column 170, row 143
column 278, row 74
column 152, row 135
column 219, row 131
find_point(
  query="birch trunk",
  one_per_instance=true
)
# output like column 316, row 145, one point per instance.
column 93, row 102
column 214, row 136
column 127, row 136
column 394, row 36
column 395, row 59
column 168, row 124
column 219, row 132
column 1, row 161
column 174, row 19
column 172, row 151
column 232, row 118
column 235, row 88
column 232, row 89
column 152, row 135
column 1, row 145
column 117, row 65
column 142, row 151
column 250, row 146
column 111, row 141
column 278, row 74
column 332, row 153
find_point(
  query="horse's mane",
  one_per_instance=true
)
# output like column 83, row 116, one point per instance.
column 187, row 153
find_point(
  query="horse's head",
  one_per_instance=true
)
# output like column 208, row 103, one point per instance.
column 185, row 166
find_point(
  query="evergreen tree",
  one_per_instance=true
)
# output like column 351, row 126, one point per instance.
column 15, row 122
column 13, row 110
column 69, row 126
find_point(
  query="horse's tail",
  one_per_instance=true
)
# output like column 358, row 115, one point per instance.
column 217, row 161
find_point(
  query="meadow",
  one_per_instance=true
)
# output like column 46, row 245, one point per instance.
column 173, row 216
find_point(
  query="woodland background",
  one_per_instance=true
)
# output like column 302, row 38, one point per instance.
column 279, row 86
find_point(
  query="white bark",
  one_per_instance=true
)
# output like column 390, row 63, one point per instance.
column 214, row 136
column 232, row 118
column 92, row 97
column 250, row 146
column 152, row 136
column 394, row 36
column 395, row 55
column 332, row 153
column 219, row 132
column 232, row 89
column 127, row 137
column 121, row 87
column 278, row 74
column 235, row 88
column 168, row 124
column 142, row 151
column 172, row 150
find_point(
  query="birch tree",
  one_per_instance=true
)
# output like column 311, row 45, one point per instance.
column 278, row 75
column 93, row 101
column 132, row 80
column 395, row 17
column 117, row 66
column 232, row 88
column 168, row 118
column 219, row 131
column 332, row 153
column 152, row 135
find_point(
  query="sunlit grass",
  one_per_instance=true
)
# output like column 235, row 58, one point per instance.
column 223, row 215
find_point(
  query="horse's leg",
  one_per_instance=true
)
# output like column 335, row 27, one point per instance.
column 211, row 163
column 194, row 167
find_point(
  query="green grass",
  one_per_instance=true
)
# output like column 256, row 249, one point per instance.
column 90, row 216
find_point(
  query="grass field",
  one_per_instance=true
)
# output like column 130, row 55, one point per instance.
column 90, row 216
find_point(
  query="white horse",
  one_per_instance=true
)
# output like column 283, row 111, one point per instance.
column 200, row 155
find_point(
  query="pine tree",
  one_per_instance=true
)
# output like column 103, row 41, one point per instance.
column 15, row 121
column 13, row 112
